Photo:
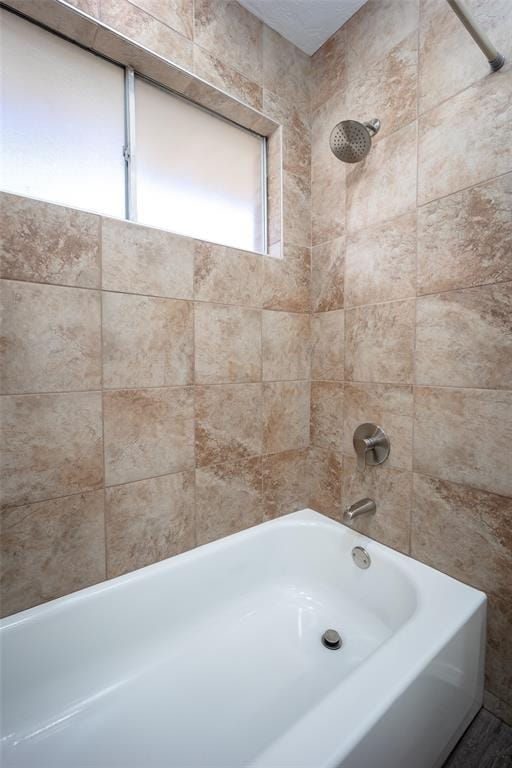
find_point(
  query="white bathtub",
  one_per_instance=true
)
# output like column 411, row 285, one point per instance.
column 213, row 659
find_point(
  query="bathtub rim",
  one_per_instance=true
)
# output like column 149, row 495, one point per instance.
column 304, row 517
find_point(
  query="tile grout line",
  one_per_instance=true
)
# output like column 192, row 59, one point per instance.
column 194, row 398
column 176, row 387
column 350, row 234
column 481, row 183
column 209, row 302
column 311, row 304
column 262, row 500
column 411, row 509
column 263, row 456
column 312, row 312
column 344, row 413
column 102, row 352
column 165, row 24
column 347, row 381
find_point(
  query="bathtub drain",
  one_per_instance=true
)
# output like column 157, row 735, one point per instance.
column 331, row 639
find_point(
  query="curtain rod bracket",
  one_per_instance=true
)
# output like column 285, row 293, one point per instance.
column 498, row 62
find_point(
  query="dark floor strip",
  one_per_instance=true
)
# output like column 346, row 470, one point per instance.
column 487, row 743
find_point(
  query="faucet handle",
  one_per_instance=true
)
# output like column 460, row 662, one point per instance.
column 361, row 447
column 371, row 445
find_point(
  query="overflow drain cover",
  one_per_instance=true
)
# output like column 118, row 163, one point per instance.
column 331, row 639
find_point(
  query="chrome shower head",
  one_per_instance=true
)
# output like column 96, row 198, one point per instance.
column 351, row 141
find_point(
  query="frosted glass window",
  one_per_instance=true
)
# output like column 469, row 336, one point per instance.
column 62, row 122
column 197, row 174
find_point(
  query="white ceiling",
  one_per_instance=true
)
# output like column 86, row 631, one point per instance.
column 306, row 23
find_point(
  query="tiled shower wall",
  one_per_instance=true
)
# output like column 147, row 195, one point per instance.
column 165, row 410
column 125, row 448
column 412, row 294
column 155, row 388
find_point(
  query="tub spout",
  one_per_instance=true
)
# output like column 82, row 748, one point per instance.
column 361, row 507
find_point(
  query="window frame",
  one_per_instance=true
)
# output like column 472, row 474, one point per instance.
column 129, row 148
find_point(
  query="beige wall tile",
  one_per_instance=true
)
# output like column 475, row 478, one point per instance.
column 147, row 30
column 285, row 483
column 463, row 532
column 376, row 29
column 328, row 174
column 323, row 120
column 328, row 345
column 328, row 69
column 127, row 49
column 229, row 422
column 387, row 88
column 286, row 69
column 228, row 499
column 380, row 262
column 449, row 58
column 379, row 342
column 92, row 7
column 148, row 521
column 50, row 549
column 227, row 344
column 326, row 477
column 327, row 206
column 466, row 239
column 148, row 432
column 145, row 260
column 178, row 14
column 285, row 416
column 296, row 209
column 50, row 338
column 450, row 160
column 328, row 275
column 463, row 435
column 466, row 534
column 391, row 489
column 219, row 74
column 226, row 275
column 384, row 186
column 296, row 130
column 498, row 666
column 286, row 280
column 52, row 446
column 327, row 415
column 388, row 405
column 464, row 338
column 286, row 348
column 147, row 342
column 48, row 243
column 231, row 33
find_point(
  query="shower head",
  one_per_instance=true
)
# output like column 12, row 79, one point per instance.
column 351, row 141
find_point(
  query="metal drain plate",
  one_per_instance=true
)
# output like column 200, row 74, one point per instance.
column 361, row 558
column 331, row 639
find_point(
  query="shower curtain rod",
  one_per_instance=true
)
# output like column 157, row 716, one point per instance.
column 494, row 57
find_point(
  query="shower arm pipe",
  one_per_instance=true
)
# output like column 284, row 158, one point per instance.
column 494, row 57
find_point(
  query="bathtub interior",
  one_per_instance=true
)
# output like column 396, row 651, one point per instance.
column 221, row 646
